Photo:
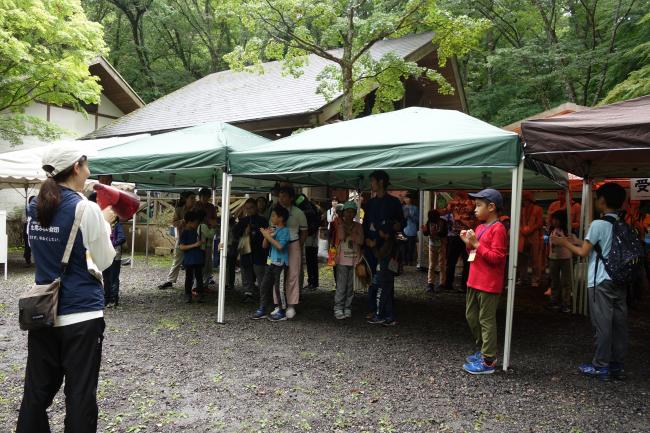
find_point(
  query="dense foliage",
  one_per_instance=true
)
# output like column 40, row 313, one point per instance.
column 518, row 57
column 541, row 53
column 45, row 49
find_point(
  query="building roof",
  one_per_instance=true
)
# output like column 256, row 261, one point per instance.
column 560, row 110
column 114, row 86
column 236, row 97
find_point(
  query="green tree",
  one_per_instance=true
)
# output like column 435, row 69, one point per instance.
column 161, row 45
column 541, row 53
column 343, row 32
column 636, row 60
column 45, row 49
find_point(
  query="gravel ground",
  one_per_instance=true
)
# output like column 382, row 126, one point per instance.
column 168, row 367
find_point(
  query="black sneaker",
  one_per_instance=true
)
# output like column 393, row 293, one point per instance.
column 166, row 285
column 429, row 288
column 188, row 299
column 389, row 323
column 617, row 371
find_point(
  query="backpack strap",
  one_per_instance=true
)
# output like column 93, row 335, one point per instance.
column 599, row 251
column 79, row 211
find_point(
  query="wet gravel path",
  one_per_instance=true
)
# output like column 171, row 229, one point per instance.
column 168, row 367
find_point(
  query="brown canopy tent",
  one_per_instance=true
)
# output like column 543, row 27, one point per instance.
column 608, row 141
column 605, row 142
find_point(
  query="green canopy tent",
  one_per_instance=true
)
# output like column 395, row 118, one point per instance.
column 187, row 158
column 465, row 152
column 420, row 148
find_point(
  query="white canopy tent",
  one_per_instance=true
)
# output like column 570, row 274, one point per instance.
column 22, row 170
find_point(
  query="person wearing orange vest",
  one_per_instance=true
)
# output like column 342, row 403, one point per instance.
column 532, row 238
column 462, row 218
column 560, row 204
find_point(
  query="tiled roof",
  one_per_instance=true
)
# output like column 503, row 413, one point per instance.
column 231, row 96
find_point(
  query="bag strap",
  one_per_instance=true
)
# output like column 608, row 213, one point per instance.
column 79, row 211
column 599, row 251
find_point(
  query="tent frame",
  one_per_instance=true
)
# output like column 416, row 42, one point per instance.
column 515, row 214
column 515, row 222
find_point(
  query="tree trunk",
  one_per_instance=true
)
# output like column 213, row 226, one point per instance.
column 347, row 104
column 618, row 20
column 347, row 111
column 551, row 37
column 134, row 13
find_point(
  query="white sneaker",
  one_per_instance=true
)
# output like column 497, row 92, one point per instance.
column 339, row 315
column 348, row 314
column 291, row 313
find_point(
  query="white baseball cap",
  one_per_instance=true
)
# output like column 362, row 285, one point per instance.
column 60, row 157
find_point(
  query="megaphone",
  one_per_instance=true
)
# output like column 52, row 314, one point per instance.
column 125, row 204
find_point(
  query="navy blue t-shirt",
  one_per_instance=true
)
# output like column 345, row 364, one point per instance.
column 379, row 211
column 193, row 256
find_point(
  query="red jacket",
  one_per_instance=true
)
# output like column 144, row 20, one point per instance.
column 486, row 272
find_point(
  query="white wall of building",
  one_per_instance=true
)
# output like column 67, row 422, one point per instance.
column 76, row 125
column 106, row 107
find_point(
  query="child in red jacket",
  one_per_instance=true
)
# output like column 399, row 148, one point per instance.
column 487, row 256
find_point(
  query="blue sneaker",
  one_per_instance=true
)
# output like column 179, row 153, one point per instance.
column 276, row 316
column 259, row 314
column 480, row 367
column 591, row 370
column 376, row 321
column 474, row 358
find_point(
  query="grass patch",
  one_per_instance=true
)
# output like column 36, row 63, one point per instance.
column 168, row 324
column 217, row 377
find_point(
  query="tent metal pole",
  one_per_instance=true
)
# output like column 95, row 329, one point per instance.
column 423, row 202
column 589, row 216
column 146, row 241
column 135, row 217
column 223, row 250
column 581, row 277
column 515, row 215
column 357, row 218
column 214, row 189
column 567, row 200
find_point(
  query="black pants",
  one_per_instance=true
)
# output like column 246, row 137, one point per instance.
column 456, row 249
column 410, row 253
column 270, row 283
column 111, row 277
column 193, row 272
column 73, row 352
column 27, row 252
column 231, row 264
column 386, row 296
column 311, row 259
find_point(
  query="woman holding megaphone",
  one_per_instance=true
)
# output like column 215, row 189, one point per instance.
column 71, row 347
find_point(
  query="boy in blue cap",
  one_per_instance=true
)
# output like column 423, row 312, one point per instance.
column 487, row 256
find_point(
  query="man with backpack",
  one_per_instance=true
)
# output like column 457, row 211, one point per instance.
column 614, row 258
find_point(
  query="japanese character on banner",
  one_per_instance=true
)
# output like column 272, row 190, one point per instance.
column 640, row 189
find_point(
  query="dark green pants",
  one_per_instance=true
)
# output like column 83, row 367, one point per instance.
column 481, row 313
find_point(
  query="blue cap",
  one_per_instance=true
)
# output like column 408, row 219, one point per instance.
column 491, row 195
